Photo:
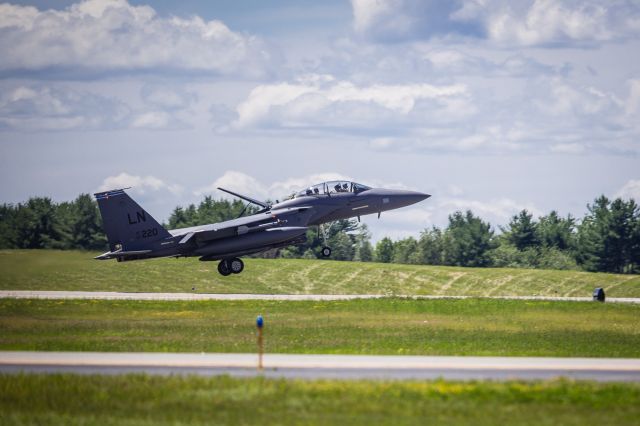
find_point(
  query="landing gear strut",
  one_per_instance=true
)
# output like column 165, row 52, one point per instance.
column 230, row 266
column 326, row 250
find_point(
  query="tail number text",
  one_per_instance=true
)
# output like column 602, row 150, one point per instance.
column 146, row 233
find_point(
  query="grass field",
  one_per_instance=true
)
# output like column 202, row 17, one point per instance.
column 156, row 400
column 385, row 326
column 57, row 270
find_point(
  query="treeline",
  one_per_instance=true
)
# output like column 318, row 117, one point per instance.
column 42, row 224
column 607, row 239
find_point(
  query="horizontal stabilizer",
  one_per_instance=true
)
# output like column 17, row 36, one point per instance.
column 122, row 254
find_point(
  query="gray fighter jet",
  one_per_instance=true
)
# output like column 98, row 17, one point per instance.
column 133, row 234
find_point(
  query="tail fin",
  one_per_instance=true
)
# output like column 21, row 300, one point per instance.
column 127, row 225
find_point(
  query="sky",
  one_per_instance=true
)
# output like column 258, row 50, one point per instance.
column 490, row 105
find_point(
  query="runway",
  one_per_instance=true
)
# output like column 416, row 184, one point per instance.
column 325, row 366
column 107, row 295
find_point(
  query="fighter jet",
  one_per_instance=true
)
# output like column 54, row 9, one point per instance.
column 134, row 234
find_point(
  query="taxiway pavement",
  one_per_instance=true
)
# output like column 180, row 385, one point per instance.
column 325, row 366
column 108, row 295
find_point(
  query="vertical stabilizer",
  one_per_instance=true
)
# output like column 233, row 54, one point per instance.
column 127, row 225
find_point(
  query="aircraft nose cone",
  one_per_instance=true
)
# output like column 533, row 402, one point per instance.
column 418, row 196
column 389, row 199
column 412, row 197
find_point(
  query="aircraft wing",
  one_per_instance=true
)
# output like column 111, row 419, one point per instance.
column 238, row 227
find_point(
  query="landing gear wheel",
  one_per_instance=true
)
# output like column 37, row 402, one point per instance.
column 236, row 265
column 224, row 267
column 326, row 251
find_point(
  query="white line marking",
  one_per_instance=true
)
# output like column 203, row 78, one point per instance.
column 247, row 360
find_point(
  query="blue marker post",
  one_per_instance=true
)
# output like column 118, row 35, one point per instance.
column 259, row 325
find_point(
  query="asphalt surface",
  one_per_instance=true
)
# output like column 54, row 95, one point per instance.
column 325, row 366
column 107, row 295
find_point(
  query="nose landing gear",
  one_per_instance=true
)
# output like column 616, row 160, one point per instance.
column 230, row 266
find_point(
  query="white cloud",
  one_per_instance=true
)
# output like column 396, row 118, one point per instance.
column 97, row 36
column 166, row 97
column 508, row 22
column 632, row 106
column 237, row 182
column 264, row 97
column 579, row 101
column 455, row 190
column 139, row 184
column 398, row 20
column 431, row 138
column 630, row 190
column 156, row 120
column 331, row 103
column 386, row 17
column 37, row 108
column 65, row 107
column 549, row 21
column 496, row 211
column 568, row 148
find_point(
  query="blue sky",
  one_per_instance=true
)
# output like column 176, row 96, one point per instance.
column 491, row 105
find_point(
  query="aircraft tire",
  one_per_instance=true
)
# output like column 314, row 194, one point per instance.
column 223, row 267
column 236, row 265
column 326, row 251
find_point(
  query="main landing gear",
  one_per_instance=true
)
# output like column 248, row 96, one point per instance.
column 230, row 266
column 326, row 250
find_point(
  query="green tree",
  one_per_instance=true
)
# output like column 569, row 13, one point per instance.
column 213, row 211
column 405, row 251
column 522, row 231
column 341, row 247
column 558, row 232
column 553, row 258
column 36, row 224
column 467, row 240
column 7, row 226
column 85, row 229
column 178, row 218
column 431, row 247
column 363, row 249
column 191, row 215
column 384, row 250
column 608, row 236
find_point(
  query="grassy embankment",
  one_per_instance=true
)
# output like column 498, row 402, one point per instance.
column 156, row 400
column 385, row 326
column 57, row 270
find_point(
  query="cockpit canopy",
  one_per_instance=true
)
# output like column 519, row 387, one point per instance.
column 332, row 187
